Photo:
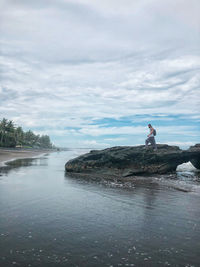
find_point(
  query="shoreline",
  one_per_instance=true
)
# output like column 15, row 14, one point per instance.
column 8, row 155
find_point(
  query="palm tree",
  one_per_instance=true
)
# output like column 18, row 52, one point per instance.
column 45, row 141
column 19, row 136
column 11, row 136
column 10, row 140
column 29, row 138
column 3, row 125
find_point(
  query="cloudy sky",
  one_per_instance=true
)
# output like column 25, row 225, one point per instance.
column 94, row 73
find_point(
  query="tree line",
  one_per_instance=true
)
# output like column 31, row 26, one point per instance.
column 11, row 136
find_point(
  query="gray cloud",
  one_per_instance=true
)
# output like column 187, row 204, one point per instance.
column 71, row 31
column 63, row 62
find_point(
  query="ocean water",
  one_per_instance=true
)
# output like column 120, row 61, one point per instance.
column 50, row 219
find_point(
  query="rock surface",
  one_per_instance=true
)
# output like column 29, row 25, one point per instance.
column 124, row 161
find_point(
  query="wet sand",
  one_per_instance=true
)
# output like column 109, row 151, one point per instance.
column 49, row 219
column 7, row 155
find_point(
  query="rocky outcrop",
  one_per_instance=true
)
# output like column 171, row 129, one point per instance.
column 123, row 161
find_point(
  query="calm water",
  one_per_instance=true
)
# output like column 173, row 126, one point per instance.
column 49, row 219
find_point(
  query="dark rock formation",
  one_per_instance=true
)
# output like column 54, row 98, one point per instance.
column 126, row 161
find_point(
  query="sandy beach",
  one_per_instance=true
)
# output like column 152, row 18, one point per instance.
column 12, row 154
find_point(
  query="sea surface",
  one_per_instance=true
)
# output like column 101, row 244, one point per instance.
column 49, row 219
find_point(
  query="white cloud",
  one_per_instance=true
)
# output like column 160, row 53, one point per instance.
column 93, row 143
column 66, row 63
column 117, row 139
column 95, row 130
column 181, row 144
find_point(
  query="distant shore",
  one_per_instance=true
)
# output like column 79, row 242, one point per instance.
column 8, row 154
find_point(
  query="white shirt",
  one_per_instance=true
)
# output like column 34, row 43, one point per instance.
column 151, row 135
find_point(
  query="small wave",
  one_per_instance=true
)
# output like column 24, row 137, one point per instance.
column 186, row 167
column 185, row 182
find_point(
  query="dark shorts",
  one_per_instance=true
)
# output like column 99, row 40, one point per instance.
column 152, row 141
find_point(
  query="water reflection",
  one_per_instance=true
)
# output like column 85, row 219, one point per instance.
column 48, row 220
column 147, row 222
column 20, row 163
column 185, row 181
column 188, row 176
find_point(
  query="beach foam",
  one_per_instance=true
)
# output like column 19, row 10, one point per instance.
column 186, row 167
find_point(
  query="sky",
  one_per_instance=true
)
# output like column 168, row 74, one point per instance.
column 94, row 73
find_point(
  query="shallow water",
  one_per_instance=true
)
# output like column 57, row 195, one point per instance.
column 50, row 219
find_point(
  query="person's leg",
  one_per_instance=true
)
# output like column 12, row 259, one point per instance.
column 146, row 142
column 153, row 143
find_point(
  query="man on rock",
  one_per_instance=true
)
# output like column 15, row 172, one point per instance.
column 151, row 138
